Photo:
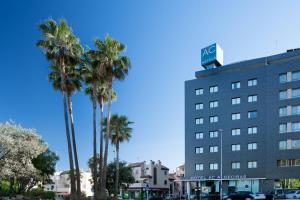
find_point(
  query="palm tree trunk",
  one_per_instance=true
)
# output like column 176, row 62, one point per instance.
column 117, row 169
column 95, row 144
column 107, row 137
column 74, row 148
column 101, row 142
column 71, row 162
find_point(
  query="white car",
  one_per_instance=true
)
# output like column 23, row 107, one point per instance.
column 294, row 194
column 258, row 195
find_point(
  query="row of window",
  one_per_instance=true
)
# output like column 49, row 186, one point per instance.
column 234, row 101
column 234, row 85
column 289, row 93
column 289, row 110
column 288, row 162
column 289, row 76
column 289, row 127
column 234, row 165
column 234, row 147
column 234, row 116
column 289, row 144
column 234, row 132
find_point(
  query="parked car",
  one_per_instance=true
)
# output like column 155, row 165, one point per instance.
column 241, row 195
column 258, row 195
column 293, row 194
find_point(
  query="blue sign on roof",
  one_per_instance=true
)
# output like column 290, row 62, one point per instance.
column 212, row 54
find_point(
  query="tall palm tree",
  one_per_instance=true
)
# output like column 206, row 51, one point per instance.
column 61, row 46
column 72, row 84
column 116, row 66
column 119, row 132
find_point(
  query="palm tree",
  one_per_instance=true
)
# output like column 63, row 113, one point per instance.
column 119, row 132
column 72, row 84
column 115, row 66
column 61, row 46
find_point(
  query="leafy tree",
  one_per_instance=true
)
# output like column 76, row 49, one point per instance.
column 45, row 163
column 119, row 132
column 21, row 146
column 61, row 48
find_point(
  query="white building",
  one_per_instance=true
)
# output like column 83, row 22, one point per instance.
column 62, row 187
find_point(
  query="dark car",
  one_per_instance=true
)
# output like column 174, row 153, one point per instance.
column 242, row 195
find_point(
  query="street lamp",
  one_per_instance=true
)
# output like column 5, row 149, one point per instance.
column 221, row 163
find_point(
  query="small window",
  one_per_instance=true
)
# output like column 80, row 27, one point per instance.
column 282, row 128
column 199, row 167
column 235, row 131
column 283, row 111
column 199, row 91
column 213, row 119
column 213, row 149
column 296, row 110
column 252, row 98
column 296, row 92
column 283, row 78
column 213, row 134
column 235, row 165
column 283, row 94
column 295, row 126
column 235, row 116
column 213, row 166
column 213, row 89
column 199, row 106
column 296, row 75
column 252, row 164
column 252, row 130
column 235, row 85
column 252, row 82
column 213, row 104
column 199, row 135
column 252, row 114
column 198, row 150
column 282, row 145
column 252, row 146
column 199, row 121
column 235, row 147
column 236, row 100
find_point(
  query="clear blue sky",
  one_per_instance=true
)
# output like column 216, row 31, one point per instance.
column 163, row 39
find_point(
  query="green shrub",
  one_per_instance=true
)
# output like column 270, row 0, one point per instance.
column 38, row 193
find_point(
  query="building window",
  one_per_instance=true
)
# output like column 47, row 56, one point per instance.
column 199, row 120
column 296, row 76
column 154, row 175
column 295, row 126
column 213, row 149
column 213, row 134
column 166, row 182
column 213, row 89
column 283, row 94
column 199, row 106
column 288, row 162
column 213, row 166
column 199, row 167
column 213, row 119
column 282, row 145
column 252, row 98
column 252, row 82
column 282, row 128
column 235, row 116
column 213, row 104
column 199, row 135
column 235, row 165
column 252, row 164
column 252, row 114
column 236, row 100
column 198, row 150
column 235, row 85
column 235, row 147
column 199, row 91
column 252, row 130
column 252, row 146
column 283, row 78
column 296, row 110
column 235, row 131
column 296, row 93
column 283, row 111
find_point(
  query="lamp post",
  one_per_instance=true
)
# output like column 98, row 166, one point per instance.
column 221, row 163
